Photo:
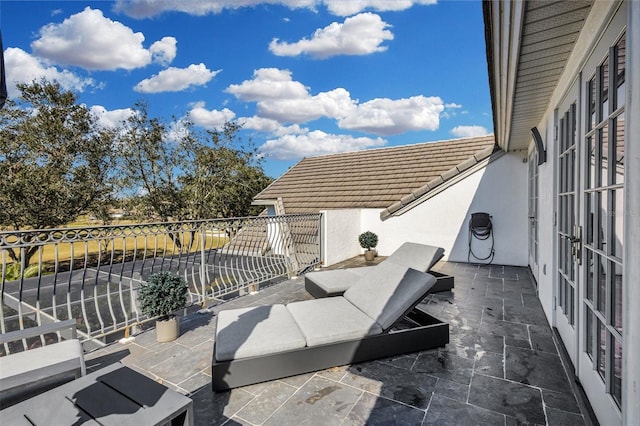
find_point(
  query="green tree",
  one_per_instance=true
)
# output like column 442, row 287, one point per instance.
column 55, row 161
column 187, row 174
column 150, row 163
column 226, row 175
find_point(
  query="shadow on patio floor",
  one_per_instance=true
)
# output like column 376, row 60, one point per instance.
column 500, row 367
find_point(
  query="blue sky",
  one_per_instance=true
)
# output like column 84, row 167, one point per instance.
column 304, row 77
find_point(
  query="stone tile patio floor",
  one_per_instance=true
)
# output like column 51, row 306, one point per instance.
column 501, row 366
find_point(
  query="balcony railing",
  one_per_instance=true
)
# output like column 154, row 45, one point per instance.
column 92, row 273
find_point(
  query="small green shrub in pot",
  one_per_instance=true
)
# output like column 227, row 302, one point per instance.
column 368, row 241
column 160, row 296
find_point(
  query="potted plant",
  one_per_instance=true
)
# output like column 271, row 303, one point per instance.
column 160, row 296
column 368, row 241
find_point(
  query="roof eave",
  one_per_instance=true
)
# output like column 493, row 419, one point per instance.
column 442, row 182
column 503, row 31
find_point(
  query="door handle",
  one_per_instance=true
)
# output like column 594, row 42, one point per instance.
column 576, row 244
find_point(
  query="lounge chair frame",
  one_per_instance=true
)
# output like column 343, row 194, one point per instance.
column 444, row 282
column 425, row 332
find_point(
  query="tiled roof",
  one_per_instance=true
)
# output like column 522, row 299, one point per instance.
column 377, row 178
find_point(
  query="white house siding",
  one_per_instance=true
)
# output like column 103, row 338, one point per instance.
column 443, row 219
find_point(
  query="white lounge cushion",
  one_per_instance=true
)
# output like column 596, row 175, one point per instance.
column 388, row 291
column 23, row 368
column 330, row 320
column 334, row 282
column 243, row 333
column 421, row 257
column 418, row 256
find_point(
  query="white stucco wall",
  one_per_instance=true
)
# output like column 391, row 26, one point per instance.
column 341, row 229
column 443, row 219
column 546, row 220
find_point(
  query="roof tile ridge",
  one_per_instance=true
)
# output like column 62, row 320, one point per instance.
column 400, row 147
column 439, row 180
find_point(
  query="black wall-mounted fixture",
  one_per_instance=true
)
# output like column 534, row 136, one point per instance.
column 542, row 153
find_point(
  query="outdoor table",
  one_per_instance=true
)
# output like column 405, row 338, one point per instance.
column 114, row 395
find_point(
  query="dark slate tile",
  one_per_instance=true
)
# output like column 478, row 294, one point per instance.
column 534, row 368
column 493, row 313
column 507, row 329
column 318, row 399
column 452, row 390
column 461, row 351
column 563, row 418
column 524, row 344
column 213, row 408
column 445, row 365
column 524, row 315
column 372, row 410
column 512, row 295
column 531, row 300
column 564, row 401
column 448, row 412
column 297, row 381
column 478, row 340
column 474, row 315
column 483, row 302
column 513, row 399
column 495, row 285
column 411, row 388
column 401, row 361
column 266, row 403
column 512, row 421
column 489, row 364
column 196, row 382
column 334, row 373
column 542, row 339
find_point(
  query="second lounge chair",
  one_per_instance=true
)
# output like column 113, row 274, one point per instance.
column 418, row 256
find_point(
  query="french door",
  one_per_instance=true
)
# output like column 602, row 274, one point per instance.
column 589, row 155
column 600, row 366
column 568, row 229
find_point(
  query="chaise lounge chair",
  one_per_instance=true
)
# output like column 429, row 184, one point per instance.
column 377, row 317
column 421, row 257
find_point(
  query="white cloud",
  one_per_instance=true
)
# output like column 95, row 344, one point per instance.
column 387, row 116
column 315, row 143
column 268, row 125
column 281, row 98
column 332, row 104
column 469, row 131
column 148, row 8
column 452, row 105
column 176, row 79
column 164, row 51
column 210, row 119
column 269, row 83
column 110, row 119
column 91, row 41
column 24, row 68
column 351, row 7
column 362, row 34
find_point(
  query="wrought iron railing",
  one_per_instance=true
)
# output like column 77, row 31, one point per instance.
column 92, row 273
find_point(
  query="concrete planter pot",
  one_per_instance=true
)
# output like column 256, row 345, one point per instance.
column 369, row 255
column 167, row 330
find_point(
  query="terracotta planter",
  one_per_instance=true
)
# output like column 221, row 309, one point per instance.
column 167, row 330
column 369, row 255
